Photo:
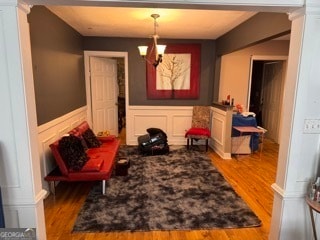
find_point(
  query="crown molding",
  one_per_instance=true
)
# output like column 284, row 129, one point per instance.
column 24, row 7
column 16, row 3
column 259, row 5
column 312, row 7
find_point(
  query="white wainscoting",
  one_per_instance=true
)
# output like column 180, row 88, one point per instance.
column 174, row 121
column 220, row 141
column 51, row 131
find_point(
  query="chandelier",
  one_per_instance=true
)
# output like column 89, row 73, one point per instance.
column 155, row 54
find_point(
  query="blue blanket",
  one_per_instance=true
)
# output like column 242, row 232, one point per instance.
column 239, row 120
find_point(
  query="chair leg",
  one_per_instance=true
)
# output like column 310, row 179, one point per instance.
column 103, row 187
column 52, row 187
column 188, row 143
column 207, row 143
column 191, row 142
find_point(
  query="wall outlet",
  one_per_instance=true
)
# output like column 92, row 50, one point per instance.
column 311, row 126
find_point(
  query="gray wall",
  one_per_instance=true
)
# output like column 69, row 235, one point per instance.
column 57, row 56
column 137, row 68
column 57, row 59
column 260, row 28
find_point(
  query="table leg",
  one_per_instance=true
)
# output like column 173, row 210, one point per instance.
column 237, row 156
column 313, row 224
column 261, row 147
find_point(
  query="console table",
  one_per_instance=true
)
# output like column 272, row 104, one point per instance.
column 313, row 206
column 240, row 121
column 251, row 130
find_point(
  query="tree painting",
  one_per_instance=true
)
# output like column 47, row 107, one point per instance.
column 174, row 73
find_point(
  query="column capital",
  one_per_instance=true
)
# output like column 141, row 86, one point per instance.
column 22, row 5
column 311, row 7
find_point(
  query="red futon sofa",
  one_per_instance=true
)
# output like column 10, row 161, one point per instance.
column 81, row 156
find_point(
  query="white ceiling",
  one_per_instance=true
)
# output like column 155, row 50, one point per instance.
column 136, row 22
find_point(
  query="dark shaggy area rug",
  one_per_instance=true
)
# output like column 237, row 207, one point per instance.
column 178, row 191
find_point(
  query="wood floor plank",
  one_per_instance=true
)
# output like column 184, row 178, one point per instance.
column 250, row 176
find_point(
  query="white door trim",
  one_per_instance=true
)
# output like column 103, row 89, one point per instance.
column 262, row 58
column 107, row 54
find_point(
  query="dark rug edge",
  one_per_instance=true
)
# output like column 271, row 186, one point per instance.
column 194, row 148
column 170, row 230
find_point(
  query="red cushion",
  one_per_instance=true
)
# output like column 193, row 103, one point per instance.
column 84, row 126
column 198, row 131
column 93, row 165
column 79, row 130
column 59, row 160
column 92, row 151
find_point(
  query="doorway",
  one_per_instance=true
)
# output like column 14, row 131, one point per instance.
column 266, row 93
column 114, row 121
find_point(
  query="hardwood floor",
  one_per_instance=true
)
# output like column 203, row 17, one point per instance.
column 250, row 176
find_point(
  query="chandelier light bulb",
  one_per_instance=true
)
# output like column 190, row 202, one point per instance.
column 159, row 49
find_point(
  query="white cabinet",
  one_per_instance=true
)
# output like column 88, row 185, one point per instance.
column 221, row 125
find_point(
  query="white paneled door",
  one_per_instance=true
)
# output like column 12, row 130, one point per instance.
column 104, row 93
column 272, row 98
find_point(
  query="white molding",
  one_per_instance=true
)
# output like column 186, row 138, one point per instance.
column 24, row 7
column 269, row 57
column 286, row 194
column 174, row 120
column 40, row 196
column 219, row 151
column 23, row 204
column 311, row 8
column 296, row 14
column 160, row 108
column 258, row 5
column 220, row 140
column 51, row 131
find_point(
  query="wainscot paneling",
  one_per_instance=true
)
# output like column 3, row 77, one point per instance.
column 53, row 130
column 221, row 121
column 174, row 121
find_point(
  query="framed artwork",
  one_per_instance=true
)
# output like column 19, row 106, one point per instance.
column 178, row 76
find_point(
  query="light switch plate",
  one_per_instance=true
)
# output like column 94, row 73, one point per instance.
column 311, row 126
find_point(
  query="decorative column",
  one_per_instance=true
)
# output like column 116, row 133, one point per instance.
column 299, row 149
column 19, row 159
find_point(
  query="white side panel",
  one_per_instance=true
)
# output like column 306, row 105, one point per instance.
column 179, row 123
column 174, row 121
column 141, row 121
column 221, row 132
column 298, row 161
column 50, row 132
column 19, row 163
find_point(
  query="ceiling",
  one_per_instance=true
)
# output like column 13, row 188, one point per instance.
column 137, row 22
